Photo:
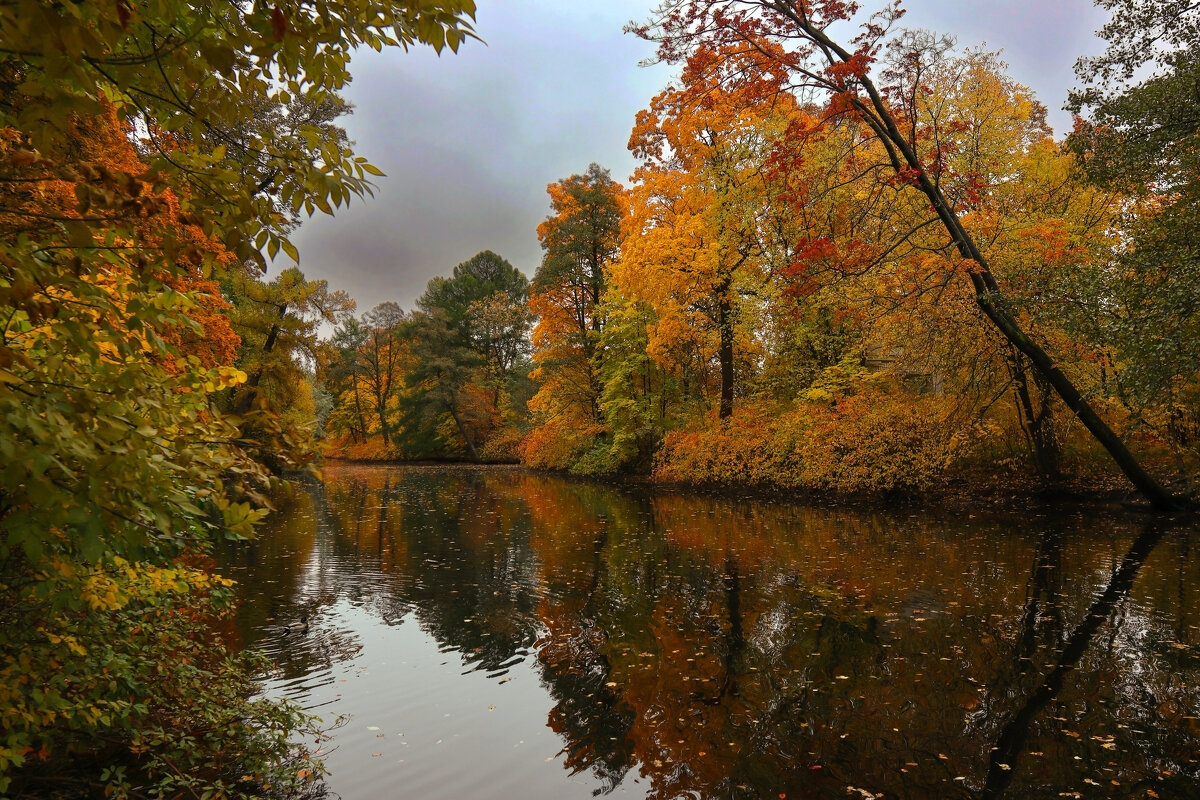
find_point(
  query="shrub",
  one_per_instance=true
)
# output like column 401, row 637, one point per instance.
column 122, row 688
column 559, row 444
column 872, row 441
column 503, row 446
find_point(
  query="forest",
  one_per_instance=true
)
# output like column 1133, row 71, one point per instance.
column 868, row 269
column 853, row 266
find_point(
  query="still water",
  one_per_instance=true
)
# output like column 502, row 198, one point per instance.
column 496, row 634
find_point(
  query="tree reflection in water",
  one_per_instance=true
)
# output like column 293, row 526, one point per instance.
column 718, row 648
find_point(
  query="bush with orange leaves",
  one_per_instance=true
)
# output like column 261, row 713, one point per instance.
column 559, row 445
column 873, row 441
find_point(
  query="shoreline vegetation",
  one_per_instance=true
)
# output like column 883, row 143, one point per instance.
column 1095, row 494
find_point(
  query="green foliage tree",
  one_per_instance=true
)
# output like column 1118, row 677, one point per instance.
column 485, row 300
column 381, row 358
column 342, row 373
column 439, row 379
column 467, row 346
column 1140, row 135
column 636, row 391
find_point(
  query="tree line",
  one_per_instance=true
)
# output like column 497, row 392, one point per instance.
column 866, row 266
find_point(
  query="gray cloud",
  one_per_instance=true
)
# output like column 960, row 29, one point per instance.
column 470, row 141
column 1040, row 39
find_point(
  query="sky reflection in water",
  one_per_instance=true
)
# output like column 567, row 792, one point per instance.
column 500, row 634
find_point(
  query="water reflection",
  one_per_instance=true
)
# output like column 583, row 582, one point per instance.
column 690, row 646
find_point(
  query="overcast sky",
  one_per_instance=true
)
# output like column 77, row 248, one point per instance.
column 470, row 141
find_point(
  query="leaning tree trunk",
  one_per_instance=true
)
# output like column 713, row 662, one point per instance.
column 1035, row 422
column 462, row 429
column 988, row 296
column 991, row 302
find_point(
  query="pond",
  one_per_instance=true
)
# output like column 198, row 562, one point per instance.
column 496, row 634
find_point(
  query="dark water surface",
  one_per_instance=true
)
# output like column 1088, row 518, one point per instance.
column 495, row 634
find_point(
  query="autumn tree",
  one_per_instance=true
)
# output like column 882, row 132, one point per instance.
column 580, row 242
column 278, row 322
column 381, row 359
column 114, row 468
column 698, row 233
column 196, row 77
column 1043, row 231
column 117, row 470
column 897, row 115
column 580, row 239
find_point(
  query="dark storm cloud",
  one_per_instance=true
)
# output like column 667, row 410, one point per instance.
column 470, row 141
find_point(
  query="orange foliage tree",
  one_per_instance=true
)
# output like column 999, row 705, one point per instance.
column 581, row 240
column 699, row 238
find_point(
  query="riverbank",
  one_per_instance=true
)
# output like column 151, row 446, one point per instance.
column 960, row 492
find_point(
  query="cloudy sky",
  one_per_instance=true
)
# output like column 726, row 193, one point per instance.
column 470, row 141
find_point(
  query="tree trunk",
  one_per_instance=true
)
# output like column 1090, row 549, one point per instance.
column 1035, row 423
column 874, row 112
column 362, row 420
column 725, row 348
column 462, row 430
column 252, row 385
column 381, row 410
